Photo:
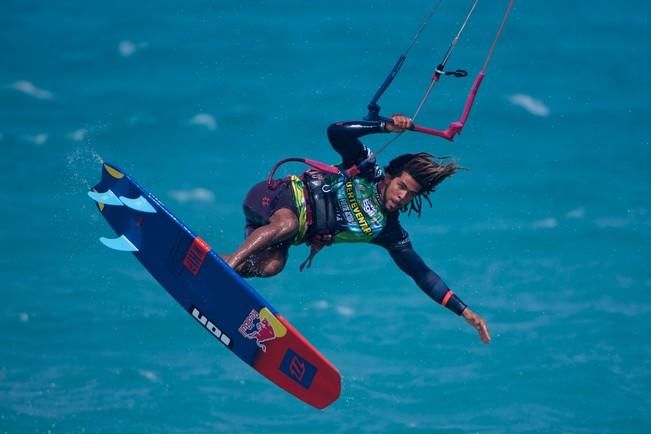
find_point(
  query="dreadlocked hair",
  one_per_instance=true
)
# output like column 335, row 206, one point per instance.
column 428, row 170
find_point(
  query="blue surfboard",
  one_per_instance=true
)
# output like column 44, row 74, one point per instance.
column 210, row 291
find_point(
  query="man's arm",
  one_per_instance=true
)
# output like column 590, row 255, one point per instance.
column 344, row 138
column 431, row 284
column 427, row 280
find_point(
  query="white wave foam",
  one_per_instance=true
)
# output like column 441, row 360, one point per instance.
column 547, row 223
column 149, row 375
column 204, row 120
column 28, row 88
column 193, row 195
column 129, row 48
column 126, row 48
column 39, row 139
column 578, row 213
column 345, row 311
column 78, row 135
column 534, row 106
column 24, row 317
column 321, row 304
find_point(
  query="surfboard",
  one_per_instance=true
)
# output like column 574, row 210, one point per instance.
column 218, row 299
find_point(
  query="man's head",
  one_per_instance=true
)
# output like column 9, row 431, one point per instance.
column 410, row 177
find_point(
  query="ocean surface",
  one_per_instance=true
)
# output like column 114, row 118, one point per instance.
column 547, row 235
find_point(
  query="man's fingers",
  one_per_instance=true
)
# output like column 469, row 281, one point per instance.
column 400, row 121
column 479, row 324
column 483, row 332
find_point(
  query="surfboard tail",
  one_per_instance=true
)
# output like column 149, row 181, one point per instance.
column 296, row 366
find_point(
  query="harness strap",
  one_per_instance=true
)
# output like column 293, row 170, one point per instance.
column 317, row 243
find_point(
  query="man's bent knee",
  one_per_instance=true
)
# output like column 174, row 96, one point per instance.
column 273, row 267
column 264, row 264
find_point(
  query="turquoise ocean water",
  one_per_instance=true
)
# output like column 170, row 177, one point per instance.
column 548, row 235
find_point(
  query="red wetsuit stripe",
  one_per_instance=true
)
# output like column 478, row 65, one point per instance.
column 447, row 297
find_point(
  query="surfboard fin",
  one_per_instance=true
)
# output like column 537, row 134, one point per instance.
column 107, row 198
column 139, row 204
column 121, row 243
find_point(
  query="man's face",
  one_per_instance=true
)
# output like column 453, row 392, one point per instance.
column 400, row 191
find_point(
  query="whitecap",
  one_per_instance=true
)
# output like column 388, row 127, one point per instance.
column 345, row 311
column 321, row 304
column 547, row 223
column 38, row 139
column 204, row 120
column 534, row 106
column 578, row 213
column 149, row 375
column 194, row 195
column 28, row 88
column 126, row 48
column 78, row 135
column 24, row 317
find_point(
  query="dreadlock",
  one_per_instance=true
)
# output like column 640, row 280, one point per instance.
column 428, row 170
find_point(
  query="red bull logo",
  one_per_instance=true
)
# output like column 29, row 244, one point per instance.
column 262, row 326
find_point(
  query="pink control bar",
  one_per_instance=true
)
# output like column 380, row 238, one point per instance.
column 455, row 127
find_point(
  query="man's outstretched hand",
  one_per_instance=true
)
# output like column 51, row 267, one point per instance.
column 478, row 323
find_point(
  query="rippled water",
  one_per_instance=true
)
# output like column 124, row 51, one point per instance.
column 547, row 235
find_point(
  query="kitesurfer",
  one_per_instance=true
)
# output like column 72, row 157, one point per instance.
column 320, row 208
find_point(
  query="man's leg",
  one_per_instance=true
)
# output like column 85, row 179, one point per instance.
column 264, row 264
column 282, row 226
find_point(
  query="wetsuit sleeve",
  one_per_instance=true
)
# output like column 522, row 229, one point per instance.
column 344, row 138
column 427, row 280
column 396, row 240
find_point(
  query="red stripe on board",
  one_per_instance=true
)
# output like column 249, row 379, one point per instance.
column 196, row 255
